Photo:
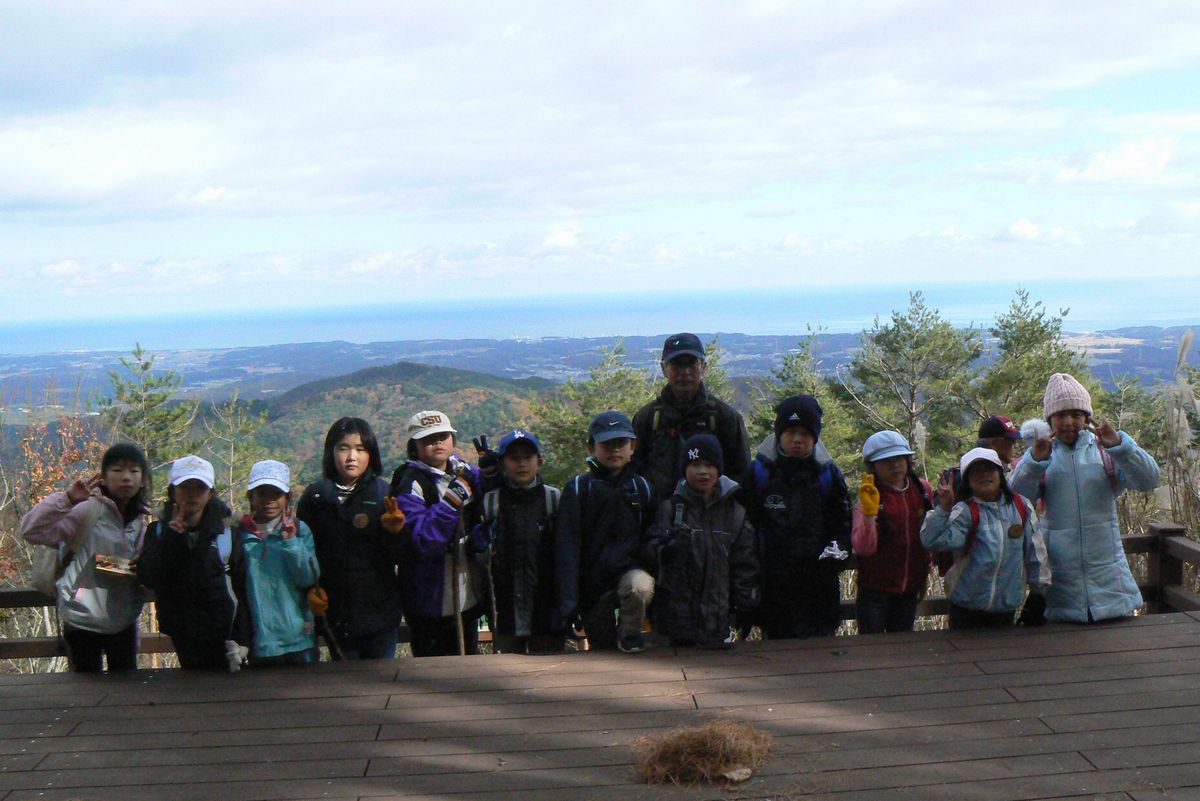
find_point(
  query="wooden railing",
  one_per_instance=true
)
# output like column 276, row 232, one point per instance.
column 1167, row 546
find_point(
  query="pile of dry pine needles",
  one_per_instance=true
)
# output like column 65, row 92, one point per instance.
column 715, row 751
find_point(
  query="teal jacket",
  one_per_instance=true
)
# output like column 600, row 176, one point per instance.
column 278, row 575
column 1089, row 574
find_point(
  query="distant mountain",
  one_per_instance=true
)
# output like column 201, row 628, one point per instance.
column 269, row 372
column 386, row 397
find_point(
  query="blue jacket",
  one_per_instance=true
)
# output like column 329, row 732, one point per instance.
column 989, row 577
column 278, row 574
column 1090, row 574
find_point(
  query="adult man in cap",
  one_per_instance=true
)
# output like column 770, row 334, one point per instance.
column 684, row 408
column 998, row 433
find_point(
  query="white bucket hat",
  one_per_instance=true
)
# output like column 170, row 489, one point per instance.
column 270, row 473
column 979, row 455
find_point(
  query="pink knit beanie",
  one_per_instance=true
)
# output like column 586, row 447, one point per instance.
column 1064, row 393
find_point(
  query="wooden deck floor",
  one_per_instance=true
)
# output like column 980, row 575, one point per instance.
column 1110, row 711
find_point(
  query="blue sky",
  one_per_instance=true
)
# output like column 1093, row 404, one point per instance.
column 173, row 158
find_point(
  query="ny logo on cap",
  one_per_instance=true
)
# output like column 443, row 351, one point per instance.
column 694, row 453
column 518, row 433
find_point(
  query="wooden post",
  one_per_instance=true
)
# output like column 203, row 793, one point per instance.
column 1165, row 571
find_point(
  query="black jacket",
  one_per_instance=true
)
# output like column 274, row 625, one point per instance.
column 795, row 517
column 706, row 564
column 521, row 538
column 601, row 524
column 357, row 557
column 195, row 598
column 662, row 427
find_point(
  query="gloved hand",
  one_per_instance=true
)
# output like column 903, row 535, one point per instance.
column 480, row 537
column 868, row 495
column 392, row 520
column 458, row 494
column 487, row 459
column 1033, row 613
column 318, row 601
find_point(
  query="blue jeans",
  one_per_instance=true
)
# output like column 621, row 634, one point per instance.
column 381, row 645
column 880, row 612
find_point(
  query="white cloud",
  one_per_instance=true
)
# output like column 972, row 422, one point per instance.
column 1145, row 160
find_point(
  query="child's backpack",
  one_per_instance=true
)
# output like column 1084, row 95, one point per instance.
column 758, row 473
column 491, row 503
column 50, row 562
column 641, row 501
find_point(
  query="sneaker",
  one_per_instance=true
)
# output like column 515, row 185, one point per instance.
column 632, row 644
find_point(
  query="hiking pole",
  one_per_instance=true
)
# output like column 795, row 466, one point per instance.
column 323, row 629
column 460, row 533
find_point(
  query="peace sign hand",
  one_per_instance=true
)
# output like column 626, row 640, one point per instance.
column 1109, row 437
column 81, row 488
column 392, row 520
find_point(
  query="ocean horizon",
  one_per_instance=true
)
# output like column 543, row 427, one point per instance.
column 1092, row 306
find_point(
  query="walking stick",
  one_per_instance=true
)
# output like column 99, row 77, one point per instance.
column 323, row 629
column 460, row 534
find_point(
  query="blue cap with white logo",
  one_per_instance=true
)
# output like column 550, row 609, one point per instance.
column 515, row 436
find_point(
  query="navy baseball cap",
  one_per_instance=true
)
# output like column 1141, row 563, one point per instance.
column 610, row 425
column 517, row 435
column 682, row 345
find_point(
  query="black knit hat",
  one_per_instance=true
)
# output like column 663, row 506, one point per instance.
column 798, row 410
column 702, row 446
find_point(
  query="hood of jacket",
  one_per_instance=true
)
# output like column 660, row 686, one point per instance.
column 726, row 487
column 768, row 450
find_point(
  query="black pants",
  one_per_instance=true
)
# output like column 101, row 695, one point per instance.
column 962, row 618
column 85, row 648
column 804, row 602
column 880, row 612
column 436, row 636
column 201, row 655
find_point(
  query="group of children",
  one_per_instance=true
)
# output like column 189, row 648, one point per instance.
column 445, row 542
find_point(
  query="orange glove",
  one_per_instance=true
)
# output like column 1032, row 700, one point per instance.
column 392, row 519
column 318, row 601
column 868, row 495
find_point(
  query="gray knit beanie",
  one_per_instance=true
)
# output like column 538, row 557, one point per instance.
column 1064, row 393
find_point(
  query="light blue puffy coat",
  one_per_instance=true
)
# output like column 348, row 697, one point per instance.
column 1090, row 574
column 278, row 573
column 991, row 577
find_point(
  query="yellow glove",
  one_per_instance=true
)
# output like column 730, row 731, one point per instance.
column 392, row 520
column 868, row 495
column 318, row 601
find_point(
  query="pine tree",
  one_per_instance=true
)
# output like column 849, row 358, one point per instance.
column 143, row 411
column 232, row 428
column 911, row 375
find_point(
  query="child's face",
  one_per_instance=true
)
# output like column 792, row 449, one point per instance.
column 267, row 502
column 191, row 497
column 521, row 463
column 123, row 480
column 797, row 442
column 702, row 476
column 435, row 449
column 613, row 454
column 891, row 471
column 984, row 481
column 350, row 458
column 1067, row 425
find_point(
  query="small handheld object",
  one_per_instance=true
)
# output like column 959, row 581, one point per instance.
column 114, row 566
